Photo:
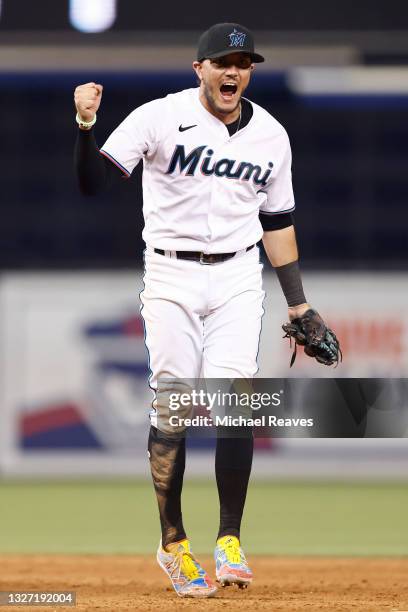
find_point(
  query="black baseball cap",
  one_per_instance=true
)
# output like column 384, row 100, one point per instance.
column 225, row 38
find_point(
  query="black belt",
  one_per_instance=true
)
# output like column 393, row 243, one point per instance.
column 203, row 258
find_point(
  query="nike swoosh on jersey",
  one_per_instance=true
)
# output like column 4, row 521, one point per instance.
column 188, row 127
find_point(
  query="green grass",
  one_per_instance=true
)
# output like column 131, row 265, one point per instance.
column 281, row 518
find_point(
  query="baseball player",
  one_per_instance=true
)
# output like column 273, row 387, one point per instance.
column 216, row 180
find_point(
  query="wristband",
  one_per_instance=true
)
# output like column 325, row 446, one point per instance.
column 85, row 124
column 291, row 283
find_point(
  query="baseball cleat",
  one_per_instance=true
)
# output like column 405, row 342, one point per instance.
column 231, row 566
column 187, row 576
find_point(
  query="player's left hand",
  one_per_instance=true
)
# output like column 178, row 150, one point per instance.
column 308, row 329
column 297, row 311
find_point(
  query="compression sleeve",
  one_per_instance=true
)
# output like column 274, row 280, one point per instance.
column 291, row 283
column 95, row 173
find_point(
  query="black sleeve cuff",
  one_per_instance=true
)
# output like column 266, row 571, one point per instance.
column 275, row 222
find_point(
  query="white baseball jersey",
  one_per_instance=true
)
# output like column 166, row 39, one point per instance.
column 202, row 188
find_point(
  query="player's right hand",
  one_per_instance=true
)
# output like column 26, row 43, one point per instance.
column 87, row 99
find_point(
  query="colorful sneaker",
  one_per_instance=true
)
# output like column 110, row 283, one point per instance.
column 230, row 564
column 188, row 578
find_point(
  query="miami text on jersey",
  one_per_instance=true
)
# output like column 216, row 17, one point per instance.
column 230, row 168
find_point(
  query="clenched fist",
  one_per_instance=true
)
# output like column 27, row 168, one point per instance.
column 87, row 99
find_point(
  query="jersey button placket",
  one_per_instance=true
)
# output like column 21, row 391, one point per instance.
column 217, row 193
column 212, row 218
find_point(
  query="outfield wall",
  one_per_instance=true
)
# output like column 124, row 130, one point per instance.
column 74, row 398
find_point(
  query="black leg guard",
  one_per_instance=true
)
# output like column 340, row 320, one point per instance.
column 167, row 454
column 233, row 462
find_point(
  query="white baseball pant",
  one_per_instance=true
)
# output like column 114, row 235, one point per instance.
column 202, row 320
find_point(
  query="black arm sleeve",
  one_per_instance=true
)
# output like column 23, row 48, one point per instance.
column 291, row 283
column 275, row 222
column 94, row 172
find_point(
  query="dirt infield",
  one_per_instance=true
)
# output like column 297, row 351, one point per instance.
column 281, row 584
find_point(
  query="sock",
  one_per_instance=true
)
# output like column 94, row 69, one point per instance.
column 167, row 454
column 233, row 462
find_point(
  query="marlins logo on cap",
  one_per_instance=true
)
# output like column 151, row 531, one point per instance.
column 237, row 38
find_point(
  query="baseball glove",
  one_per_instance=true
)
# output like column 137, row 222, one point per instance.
column 319, row 341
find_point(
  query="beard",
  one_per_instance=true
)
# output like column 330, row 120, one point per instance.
column 210, row 98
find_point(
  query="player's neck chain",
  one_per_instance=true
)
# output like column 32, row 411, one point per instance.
column 240, row 117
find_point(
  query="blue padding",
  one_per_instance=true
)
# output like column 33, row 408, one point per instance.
column 167, row 81
column 134, row 369
column 354, row 101
column 74, row 436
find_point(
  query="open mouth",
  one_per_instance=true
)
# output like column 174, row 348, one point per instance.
column 228, row 90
